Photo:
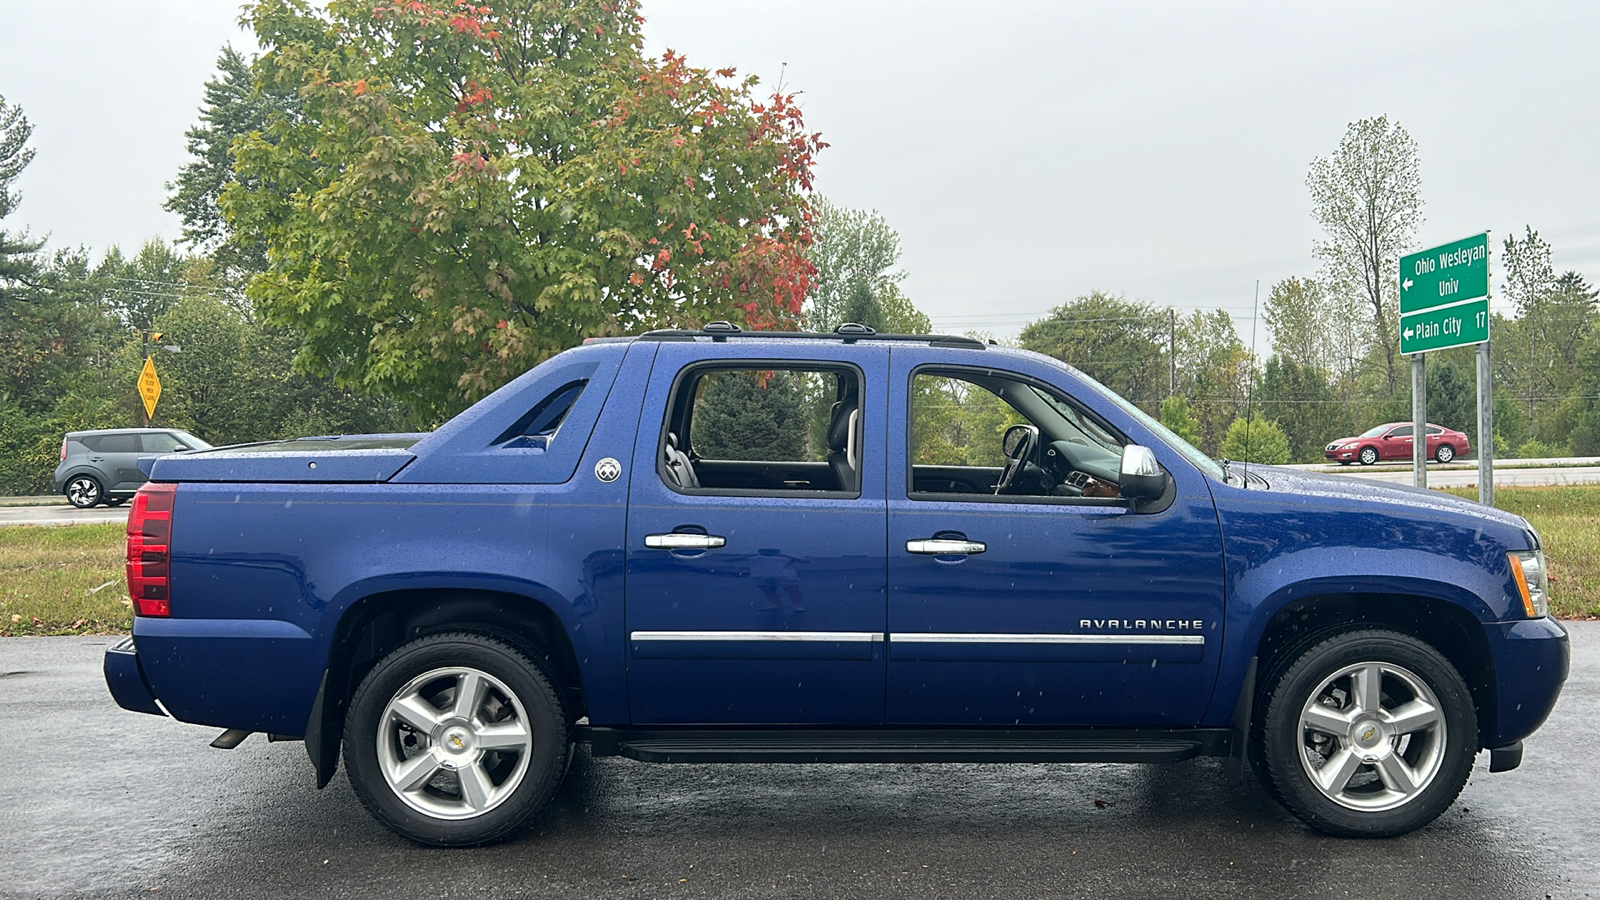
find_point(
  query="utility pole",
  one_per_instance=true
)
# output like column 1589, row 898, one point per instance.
column 1172, row 351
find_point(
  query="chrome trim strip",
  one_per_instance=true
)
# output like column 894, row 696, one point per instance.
column 850, row 637
column 918, row 637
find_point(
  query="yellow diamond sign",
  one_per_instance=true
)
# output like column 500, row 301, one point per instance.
column 149, row 387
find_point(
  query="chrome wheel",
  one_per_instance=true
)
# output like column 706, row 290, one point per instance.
column 1369, row 455
column 1373, row 736
column 454, row 743
column 1445, row 453
column 83, row 492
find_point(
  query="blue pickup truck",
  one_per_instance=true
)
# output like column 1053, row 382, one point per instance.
column 715, row 546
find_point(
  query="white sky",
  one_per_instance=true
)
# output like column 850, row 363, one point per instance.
column 1026, row 152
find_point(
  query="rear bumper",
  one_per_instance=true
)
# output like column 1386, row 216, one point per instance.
column 125, row 678
column 1531, row 661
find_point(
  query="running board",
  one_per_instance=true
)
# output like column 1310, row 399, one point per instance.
column 795, row 745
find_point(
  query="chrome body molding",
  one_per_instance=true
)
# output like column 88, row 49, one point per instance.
column 863, row 637
column 936, row 638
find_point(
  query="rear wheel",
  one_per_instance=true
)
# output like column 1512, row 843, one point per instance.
column 1368, row 734
column 1445, row 453
column 455, row 740
column 82, row 491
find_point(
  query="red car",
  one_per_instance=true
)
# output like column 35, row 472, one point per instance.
column 1394, row 441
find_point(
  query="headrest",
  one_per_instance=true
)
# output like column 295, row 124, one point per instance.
column 839, row 426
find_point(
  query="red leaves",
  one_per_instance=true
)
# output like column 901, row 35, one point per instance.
column 473, row 95
column 359, row 88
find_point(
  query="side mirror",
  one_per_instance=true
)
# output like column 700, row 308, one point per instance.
column 1141, row 477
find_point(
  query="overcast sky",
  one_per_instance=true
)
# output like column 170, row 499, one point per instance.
column 1026, row 152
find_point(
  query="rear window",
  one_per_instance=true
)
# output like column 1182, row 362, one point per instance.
column 538, row 427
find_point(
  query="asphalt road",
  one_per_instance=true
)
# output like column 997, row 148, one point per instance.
column 97, row 802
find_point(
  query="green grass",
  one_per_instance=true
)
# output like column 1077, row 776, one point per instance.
column 65, row 579
column 68, row 579
column 1568, row 521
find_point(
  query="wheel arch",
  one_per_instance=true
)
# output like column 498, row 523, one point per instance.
column 374, row 625
column 1444, row 625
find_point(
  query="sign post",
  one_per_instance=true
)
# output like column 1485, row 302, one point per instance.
column 1444, row 302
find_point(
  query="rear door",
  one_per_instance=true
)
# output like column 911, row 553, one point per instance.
column 118, row 458
column 756, row 529
column 1397, row 443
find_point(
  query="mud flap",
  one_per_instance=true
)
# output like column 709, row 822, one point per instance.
column 1237, row 764
column 322, row 738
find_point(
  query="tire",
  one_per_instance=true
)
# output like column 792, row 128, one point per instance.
column 1337, row 757
column 1368, row 455
column 419, row 764
column 83, row 491
column 115, row 501
column 1445, row 453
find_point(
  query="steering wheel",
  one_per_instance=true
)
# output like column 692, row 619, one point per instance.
column 1019, row 445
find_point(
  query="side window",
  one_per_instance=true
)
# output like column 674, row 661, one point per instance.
column 766, row 430
column 119, row 443
column 90, row 442
column 161, row 443
column 1434, row 429
column 1403, row 431
column 984, row 434
column 538, row 427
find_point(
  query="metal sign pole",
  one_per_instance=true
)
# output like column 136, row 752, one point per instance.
column 1419, row 420
column 1485, row 427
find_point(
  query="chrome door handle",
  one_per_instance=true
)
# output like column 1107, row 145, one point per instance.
column 944, row 547
column 679, row 540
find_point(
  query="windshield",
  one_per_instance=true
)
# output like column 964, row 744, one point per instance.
column 1374, row 432
column 193, row 442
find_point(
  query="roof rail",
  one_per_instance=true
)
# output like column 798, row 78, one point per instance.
column 849, row 333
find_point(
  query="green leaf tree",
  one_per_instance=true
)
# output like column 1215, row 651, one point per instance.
column 18, row 264
column 1175, row 415
column 1119, row 342
column 1367, row 196
column 465, row 191
column 1256, row 439
column 1304, row 407
column 857, row 256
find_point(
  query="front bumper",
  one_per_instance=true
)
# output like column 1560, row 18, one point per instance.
column 125, row 678
column 1531, row 658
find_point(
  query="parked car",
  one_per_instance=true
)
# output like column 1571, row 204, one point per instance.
column 602, row 552
column 1394, row 441
column 103, row 466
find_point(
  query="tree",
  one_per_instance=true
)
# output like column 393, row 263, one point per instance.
column 1257, row 440
column 1175, row 415
column 463, row 192
column 17, row 262
column 232, row 109
column 1367, row 197
column 752, row 415
column 857, row 255
column 1303, row 406
column 1119, row 342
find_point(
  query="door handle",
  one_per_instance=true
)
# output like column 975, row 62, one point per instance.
column 945, row 547
column 679, row 540
column 96, row 459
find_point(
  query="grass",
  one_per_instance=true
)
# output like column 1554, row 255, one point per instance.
column 64, row 579
column 68, row 579
column 1568, row 522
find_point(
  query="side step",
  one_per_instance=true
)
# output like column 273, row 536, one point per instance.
column 779, row 745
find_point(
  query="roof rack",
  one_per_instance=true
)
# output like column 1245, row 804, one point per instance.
column 849, row 333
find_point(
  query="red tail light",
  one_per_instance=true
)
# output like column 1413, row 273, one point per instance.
column 63, row 448
column 149, row 557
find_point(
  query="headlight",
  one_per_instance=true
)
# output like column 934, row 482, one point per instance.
column 1533, row 581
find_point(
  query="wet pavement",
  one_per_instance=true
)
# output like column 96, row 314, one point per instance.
column 97, row 802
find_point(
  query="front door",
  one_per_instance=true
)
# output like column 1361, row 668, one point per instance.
column 1051, row 602
column 756, row 529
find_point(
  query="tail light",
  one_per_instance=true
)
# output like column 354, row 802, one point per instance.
column 63, row 448
column 149, row 554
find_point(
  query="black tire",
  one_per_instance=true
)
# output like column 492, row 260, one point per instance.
column 83, row 491
column 1430, row 757
column 1445, row 453
column 422, row 680
column 1368, row 455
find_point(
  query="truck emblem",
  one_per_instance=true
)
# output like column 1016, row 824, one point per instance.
column 607, row 470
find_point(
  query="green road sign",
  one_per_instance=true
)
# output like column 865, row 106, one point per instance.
column 1448, row 273
column 1445, row 326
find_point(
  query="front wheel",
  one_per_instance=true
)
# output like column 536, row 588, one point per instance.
column 1445, row 453
column 1369, row 455
column 1369, row 733
column 455, row 740
column 83, row 491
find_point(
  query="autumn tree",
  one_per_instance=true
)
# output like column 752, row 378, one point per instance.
column 1367, row 196
column 464, row 191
